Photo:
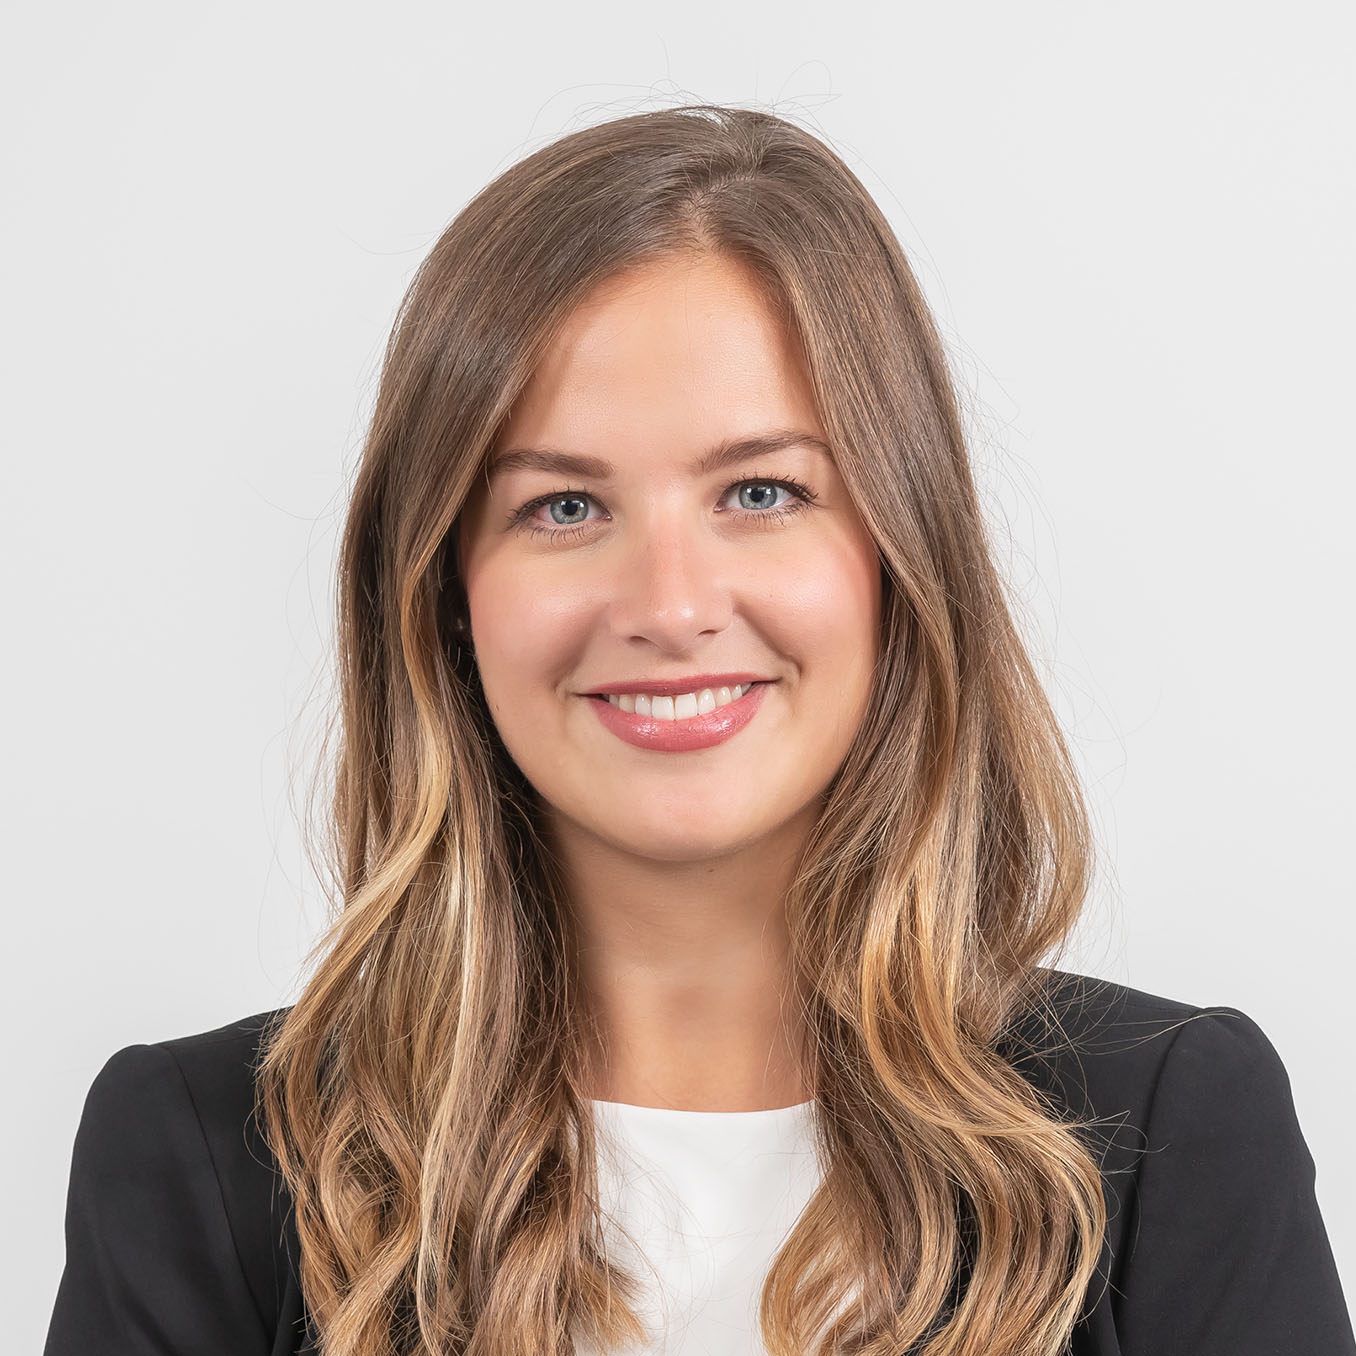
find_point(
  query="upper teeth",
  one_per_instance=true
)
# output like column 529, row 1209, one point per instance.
column 680, row 707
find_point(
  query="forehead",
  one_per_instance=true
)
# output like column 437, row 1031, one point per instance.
column 673, row 358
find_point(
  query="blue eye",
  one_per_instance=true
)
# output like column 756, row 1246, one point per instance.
column 801, row 498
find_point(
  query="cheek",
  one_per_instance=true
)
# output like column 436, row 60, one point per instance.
column 525, row 633
column 831, row 628
column 828, row 601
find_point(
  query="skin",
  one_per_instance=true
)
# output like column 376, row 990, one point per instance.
column 678, row 864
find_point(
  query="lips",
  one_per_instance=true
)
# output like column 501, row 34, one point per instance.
column 677, row 692
column 673, row 687
column 687, row 734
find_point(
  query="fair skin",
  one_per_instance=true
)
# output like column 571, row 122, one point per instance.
column 678, row 863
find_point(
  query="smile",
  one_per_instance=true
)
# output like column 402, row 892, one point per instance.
column 689, row 721
column 680, row 706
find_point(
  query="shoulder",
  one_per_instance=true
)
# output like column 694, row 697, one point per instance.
column 1156, row 1086
column 1215, row 1239
column 178, row 1115
column 217, row 1066
column 203, row 1081
column 1101, row 1050
column 208, row 1073
column 179, row 1231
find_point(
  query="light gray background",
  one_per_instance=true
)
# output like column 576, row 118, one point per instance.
column 1134, row 223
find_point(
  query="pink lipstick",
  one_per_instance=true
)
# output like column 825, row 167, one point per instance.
column 681, row 736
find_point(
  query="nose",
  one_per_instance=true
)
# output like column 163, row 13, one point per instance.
column 670, row 584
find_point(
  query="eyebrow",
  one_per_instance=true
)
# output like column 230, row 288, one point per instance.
column 714, row 459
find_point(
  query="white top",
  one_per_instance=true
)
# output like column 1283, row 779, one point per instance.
column 697, row 1204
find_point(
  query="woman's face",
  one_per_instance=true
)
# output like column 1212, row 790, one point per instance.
column 645, row 566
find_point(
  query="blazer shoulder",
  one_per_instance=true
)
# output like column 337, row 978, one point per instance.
column 1083, row 1003
column 1098, row 1049
column 219, row 1065
column 214, row 1068
column 1215, row 1240
column 217, row 1068
column 176, row 1214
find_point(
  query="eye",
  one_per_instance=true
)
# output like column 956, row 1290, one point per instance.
column 576, row 501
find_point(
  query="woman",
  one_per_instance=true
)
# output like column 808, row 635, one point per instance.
column 703, row 839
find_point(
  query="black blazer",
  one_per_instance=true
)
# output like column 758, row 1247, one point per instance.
column 180, row 1239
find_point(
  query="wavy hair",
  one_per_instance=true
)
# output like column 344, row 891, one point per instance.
column 424, row 1096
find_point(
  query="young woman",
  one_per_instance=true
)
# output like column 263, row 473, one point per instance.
column 704, row 839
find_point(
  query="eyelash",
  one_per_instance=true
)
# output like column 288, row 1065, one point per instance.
column 520, row 519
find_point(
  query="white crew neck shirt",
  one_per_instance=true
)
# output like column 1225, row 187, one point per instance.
column 696, row 1204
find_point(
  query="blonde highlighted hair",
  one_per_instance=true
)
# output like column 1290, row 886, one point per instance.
column 424, row 1097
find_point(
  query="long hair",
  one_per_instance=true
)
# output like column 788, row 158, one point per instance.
column 424, row 1096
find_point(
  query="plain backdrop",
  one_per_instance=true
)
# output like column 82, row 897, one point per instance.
column 1133, row 222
